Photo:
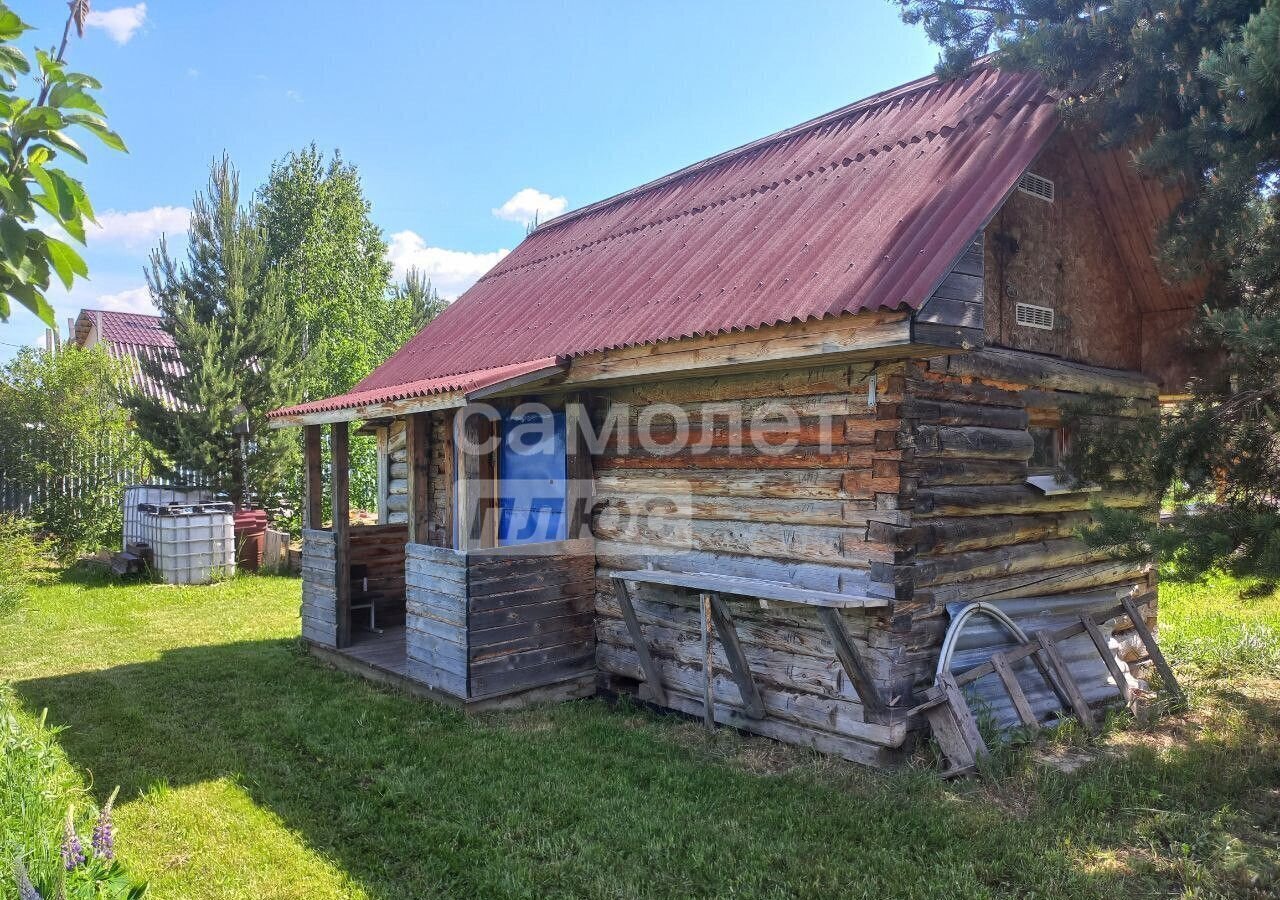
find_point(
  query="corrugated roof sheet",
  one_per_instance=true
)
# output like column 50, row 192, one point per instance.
column 466, row 383
column 131, row 337
column 861, row 209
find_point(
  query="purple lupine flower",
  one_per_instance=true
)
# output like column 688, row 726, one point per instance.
column 26, row 890
column 104, row 832
column 72, row 849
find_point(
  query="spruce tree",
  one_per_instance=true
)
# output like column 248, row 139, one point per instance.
column 1192, row 88
column 234, row 358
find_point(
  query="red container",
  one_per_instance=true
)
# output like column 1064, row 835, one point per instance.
column 251, row 533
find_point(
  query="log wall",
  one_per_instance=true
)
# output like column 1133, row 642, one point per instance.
column 378, row 551
column 441, row 480
column 319, row 583
column 802, row 517
column 976, row 530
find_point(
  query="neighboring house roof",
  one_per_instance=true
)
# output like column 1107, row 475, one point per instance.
column 863, row 208
column 130, row 337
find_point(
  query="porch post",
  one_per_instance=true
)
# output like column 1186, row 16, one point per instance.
column 418, row 455
column 313, row 479
column 384, row 473
column 340, row 480
column 578, row 467
column 474, row 489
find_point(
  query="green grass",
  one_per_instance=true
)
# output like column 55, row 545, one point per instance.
column 247, row 769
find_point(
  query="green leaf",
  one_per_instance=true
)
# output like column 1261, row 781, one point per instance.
column 68, row 96
column 66, row 261
column 104, row 134
column 14, row 239
column 11, row 26
column 33, row 300
column 85, row 81
column 59, row 201
column 77, row 191
column 13, row 60
column 38, row 119
column 50, row 68
column 64, row 143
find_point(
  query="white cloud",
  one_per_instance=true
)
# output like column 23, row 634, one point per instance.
column 451, row 271
column 528, row 203
column 132, row 300
column 120, row 23
column 293, row 95
column 139, row 228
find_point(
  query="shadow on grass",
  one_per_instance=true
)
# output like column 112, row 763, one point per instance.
column 414, row 800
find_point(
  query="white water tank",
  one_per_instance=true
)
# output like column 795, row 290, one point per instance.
column 155, row 495
column 191, row 543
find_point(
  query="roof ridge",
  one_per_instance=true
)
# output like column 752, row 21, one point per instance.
column 865, row 104
column 846, row 161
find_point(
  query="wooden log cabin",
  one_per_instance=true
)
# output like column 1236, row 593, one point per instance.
column 736, row 439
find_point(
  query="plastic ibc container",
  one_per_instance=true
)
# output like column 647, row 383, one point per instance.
column 191, row 543
column 153, row 495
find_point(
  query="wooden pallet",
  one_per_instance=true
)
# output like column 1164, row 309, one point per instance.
column 953, row 722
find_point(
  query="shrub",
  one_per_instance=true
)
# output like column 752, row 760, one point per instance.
column 67, row 445
column 22, row 560
column 53, row 841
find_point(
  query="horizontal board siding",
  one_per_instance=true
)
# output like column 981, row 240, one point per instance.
column 319, row 587
column 529, row 617
column 498, row 621
column 436, row 617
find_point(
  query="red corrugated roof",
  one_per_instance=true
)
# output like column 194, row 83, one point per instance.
column 861, row 209
column 131, row 337
column 466, row 383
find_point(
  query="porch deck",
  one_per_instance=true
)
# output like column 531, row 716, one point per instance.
column 383, row 658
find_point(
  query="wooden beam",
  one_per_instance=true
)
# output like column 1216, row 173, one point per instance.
column 578, row 469
column 1059, row 667
column 384, row 473
column 1010, row 681
column 340, row 481
column 418, row 457
column 1108, row 657
column 652, row 676
column 473, row 481
column 1153, row 649
column 723, row 621
column 851, row 660
column 312, row 479
column 708, row 676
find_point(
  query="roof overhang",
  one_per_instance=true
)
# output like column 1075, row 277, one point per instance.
column 449, row 392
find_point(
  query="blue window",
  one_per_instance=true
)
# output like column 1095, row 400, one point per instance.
column 532, row 480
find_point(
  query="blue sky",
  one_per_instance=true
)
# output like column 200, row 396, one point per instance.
column 460, row 116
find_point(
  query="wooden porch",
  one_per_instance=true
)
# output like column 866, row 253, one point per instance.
column 432, row 605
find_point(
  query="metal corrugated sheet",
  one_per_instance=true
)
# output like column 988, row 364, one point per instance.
column 466, row 383
column 132, row 337
column 861, row 209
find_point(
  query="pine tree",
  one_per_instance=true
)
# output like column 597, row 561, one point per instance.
column 1192, row 87
column 411, row 304
column 235, row 352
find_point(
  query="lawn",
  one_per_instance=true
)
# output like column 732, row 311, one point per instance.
column 248, row 769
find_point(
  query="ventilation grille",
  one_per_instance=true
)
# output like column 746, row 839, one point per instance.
column 1035, row 316
column 1036, row 186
